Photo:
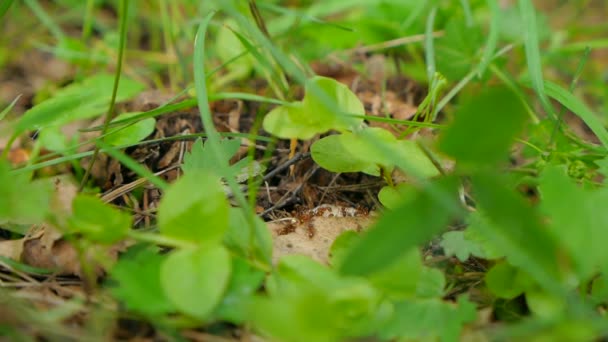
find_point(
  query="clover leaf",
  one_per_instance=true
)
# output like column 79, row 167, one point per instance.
column 324, row 107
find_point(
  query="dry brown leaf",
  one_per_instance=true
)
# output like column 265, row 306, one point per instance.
column 314, row 235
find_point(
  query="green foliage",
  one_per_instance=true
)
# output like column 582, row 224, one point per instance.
column 241, row 238
column 81, row 100
column 411, row 223
column 506, row 281
column 325, row 106
column 21, row 200
column 137, row 281
column 426, row 319
column 458, row 50
column 98, row 221
column 195, row 209
column 195, row 280
column 359, row 152
column 533, row 215
column 492, row 118
column 130, row 134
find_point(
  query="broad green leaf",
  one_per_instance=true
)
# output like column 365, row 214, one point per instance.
column 341, row 245
column 296, row 317
column 83, row 100
column 544, row 304
column 458, row 50
column 23, row 201
column 228, row 47
column 484, row 128
column 53, row 139
column 599, row 289
column 399, row 280
column 195, row 280
column 391, row 197
column 4, row 7
column 97, row 220
column 517, row 230
column 479, row 231
column 194, row 208
column 345, row 306
column 130, row 134
column 361, row 151
column 244, row 282
column 332, row 154
column 506, row 281
column 429, row 320
column 138, row 287
column 410, row 224
column 568, row 100
column 247, row 243
column 321, row 90
column 431, row 283
column 578, row 220
column 200, row 158
column 456, row 243
column 315, row 114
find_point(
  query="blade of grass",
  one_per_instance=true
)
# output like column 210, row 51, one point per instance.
column 8, row 109
column 46, row 20
column 577, row 74
column 528, row 14
column 493, row 34
column 121, row 49
column 4, row 6
column 213, row 137
column 429, row 47
column 576, row 106
column 468, row 15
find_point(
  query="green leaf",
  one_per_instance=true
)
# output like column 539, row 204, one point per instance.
column 247, row 243
column 138, row 287
column 23, row 201
column 399, row 280
column 583, row 209
column 492, row 118
column 83, row 100
column 8, row 108
column 431, row 283
column 458, row 50
column 517, row 230
column 333, row 154
column 195, row 280
column 97, row 220
column 506, row 281
column 342, row 306
column 410, row 224
column 201, row 158
column 340, row 247
column 392, row 196
column 546, row 305
column 429, row 320
column 131, row 134
column 579, row 108
column 315, row 114
column 456, row 243
column 244, row 282
column 194, row 208
column 4, row 7
column 360, row 151
column 228, row 47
